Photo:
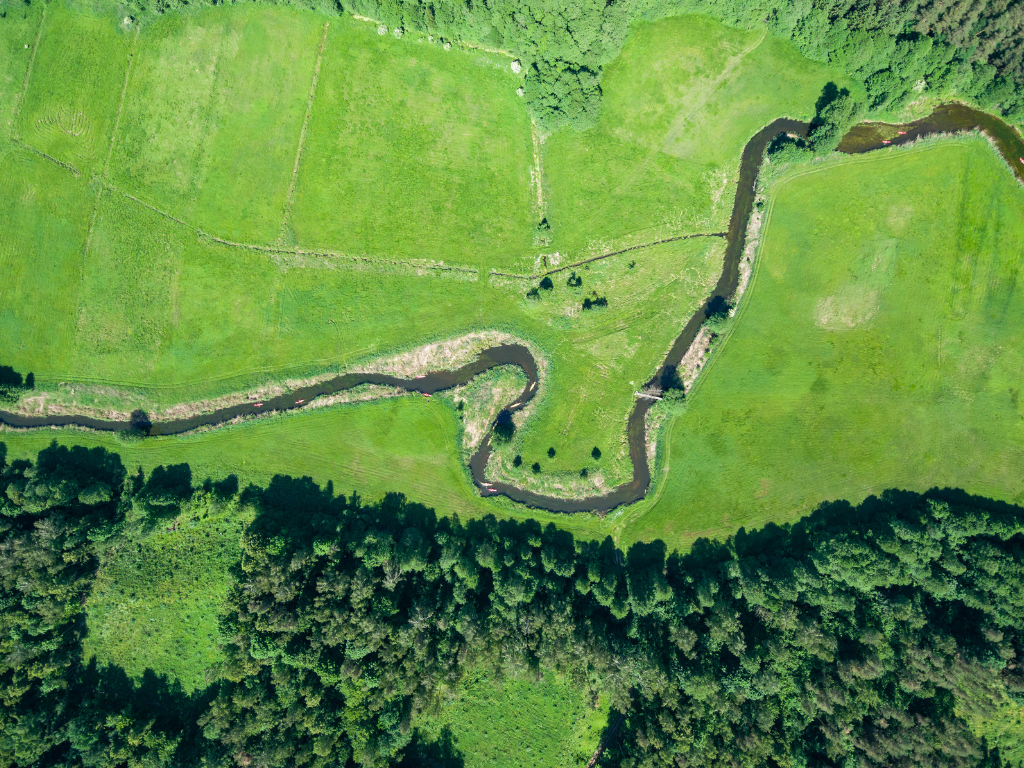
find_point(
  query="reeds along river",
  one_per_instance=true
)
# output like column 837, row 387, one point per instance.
column 946, row 118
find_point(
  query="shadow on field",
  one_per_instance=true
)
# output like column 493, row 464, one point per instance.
column 441, row 753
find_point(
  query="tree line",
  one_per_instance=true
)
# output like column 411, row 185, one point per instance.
column 968, row 48
column 863, row 635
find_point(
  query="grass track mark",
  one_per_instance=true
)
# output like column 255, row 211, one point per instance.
column 28, row 74
column 51, row 158
column 609, row 255
column 120, row 105
column 332, row 254
column 606, row 739
column 110, row 148
column 302, row 134
column 153, row 208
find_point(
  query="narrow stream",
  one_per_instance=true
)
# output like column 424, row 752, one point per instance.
column 947, row 118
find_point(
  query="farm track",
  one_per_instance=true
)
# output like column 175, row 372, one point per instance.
column 948, row 118
column 302, row 134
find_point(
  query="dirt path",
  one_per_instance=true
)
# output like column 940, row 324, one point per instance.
column 302, row 135
column 607, row 255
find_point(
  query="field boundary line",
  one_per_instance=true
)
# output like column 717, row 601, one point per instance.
column 302, row 134
column 51, row 158
column 276, row 249
column 28, row 74
column 286, row 251
column 110, row 150
column 608, row 255
column 153, row 208
column 120, row 104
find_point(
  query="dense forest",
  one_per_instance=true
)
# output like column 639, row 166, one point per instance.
column 968, row 48
column 861, row 636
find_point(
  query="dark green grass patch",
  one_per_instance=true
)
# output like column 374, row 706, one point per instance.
column 156, row 601
column 521, row 724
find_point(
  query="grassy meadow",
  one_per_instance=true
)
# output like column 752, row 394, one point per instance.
column 680, row 102
column 879, row 346
column 71, row 104
column 155, row 312
column 520, row 724
column 415, row 152
column 212, row 117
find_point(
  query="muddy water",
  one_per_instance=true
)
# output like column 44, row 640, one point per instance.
column 947, row 118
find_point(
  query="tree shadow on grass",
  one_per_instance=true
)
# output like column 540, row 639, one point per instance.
column 439, row 753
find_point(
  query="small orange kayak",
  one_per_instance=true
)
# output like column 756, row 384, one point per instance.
column 299, row 402
column 258, row 405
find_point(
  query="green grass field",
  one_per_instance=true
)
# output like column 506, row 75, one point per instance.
column 157, row 313
column 71, row 104
column 880, row 346
column 544, row 724
column 212, row 117
column 680, row 102
column 415, row 152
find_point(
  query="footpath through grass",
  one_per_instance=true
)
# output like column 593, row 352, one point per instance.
column 880, row 346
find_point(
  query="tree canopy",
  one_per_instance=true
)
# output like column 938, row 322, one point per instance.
column 860, row 636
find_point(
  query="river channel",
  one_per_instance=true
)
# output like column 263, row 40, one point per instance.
column 946, row 118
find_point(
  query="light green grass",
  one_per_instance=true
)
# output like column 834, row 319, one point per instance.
column 415, row 152
column 19, row 27
column 71, row 103
column 880, row 346
column 519, row 724
column 156, row 602
column 181, row 319
column 441, row 149
column 680, row 102
column 212, row 117
column 44, row 217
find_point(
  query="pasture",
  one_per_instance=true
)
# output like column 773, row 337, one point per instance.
column 879, row 346
column 233, row 157
column 680, row 102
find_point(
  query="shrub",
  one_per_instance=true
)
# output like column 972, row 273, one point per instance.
column 596, row 453
column 574, row 281
column 504, row 427
column 535, row 468
column 517, row 461
column 546, row 284
column 551, row 453
column 583, row 472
